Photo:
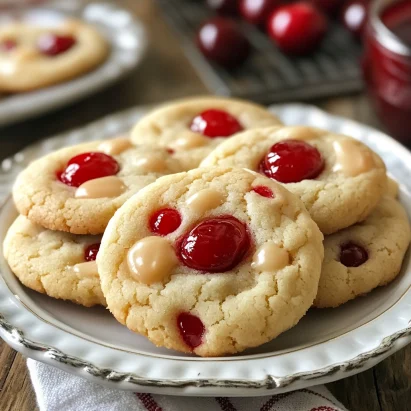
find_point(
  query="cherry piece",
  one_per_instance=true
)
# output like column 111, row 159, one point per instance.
column 215, row 245
column 291, row 161
column 165, row 221
column 88, row 166
column 220, row 40
column 264, row 191
column 330, row 7
column 297, row 28
column 90, row 254
column 191, row 329
column 170, row 151
column 224, row 7
column 52, row 44
column 215, row 123
column 352, row 255
column 257, row 11
column 8, row 44
column 354, row 16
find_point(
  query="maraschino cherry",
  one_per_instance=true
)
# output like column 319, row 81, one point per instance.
column 297, row 28
column 215, row 245
column 191, row 329
column 264, row 191
column 90, row 254
column 52, row 44
column 224, row 7
column 165, row 221
column 352, row 255
column 8, row 44
column 354, row 16
column 215, row 123
column 220, row 40
column 257, row 11
column 291, row 161
column 88, row 166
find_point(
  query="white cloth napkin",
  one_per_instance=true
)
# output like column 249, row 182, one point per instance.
column 57, row 390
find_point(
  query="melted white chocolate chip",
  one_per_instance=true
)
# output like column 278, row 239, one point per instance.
column 205, row 200
column 110, row 186
column 351, row 158
column 270, row 257
column 151, row 163
column 115, row 146
column 151, row 259
column 87, row 269
column 191, row 140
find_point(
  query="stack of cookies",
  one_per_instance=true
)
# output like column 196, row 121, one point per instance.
column 204, row 231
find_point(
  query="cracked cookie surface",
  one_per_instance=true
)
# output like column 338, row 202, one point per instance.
column 384, row 236
column 345, row 191
column 169, row 125
column 44, row 199
column 23, row 66
column 53, row 262
column 256, row 298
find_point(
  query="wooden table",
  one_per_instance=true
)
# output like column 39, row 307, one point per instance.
column 166, row 74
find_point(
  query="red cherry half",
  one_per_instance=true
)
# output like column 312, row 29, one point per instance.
column 191, row 329
column 53, row 44
column 215, row 245
column 291, row 161
column 8, row 44
column 257, row 11
column 90, row 254
column 88, row 166
column 352, row 255
column 220, row 40
column 165, row 221
column 264, row 191
column 215, row 123
column 297, row 28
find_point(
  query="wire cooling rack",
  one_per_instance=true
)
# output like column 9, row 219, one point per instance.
column 269, row 75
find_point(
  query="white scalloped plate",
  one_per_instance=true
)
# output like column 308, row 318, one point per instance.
column 125, row 34
column 326, row 345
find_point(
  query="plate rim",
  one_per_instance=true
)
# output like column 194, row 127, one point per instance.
column 181, row 386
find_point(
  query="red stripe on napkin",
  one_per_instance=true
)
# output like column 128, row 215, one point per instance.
column 149, row 402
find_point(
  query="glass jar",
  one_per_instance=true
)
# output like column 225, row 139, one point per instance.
column 387, row 64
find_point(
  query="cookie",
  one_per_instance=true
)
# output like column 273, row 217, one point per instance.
column 78, row 189
column 364, row 256
column 58, row 264
column 339, row 179
column 194, row 127
column 34, row 56
column 211, row 261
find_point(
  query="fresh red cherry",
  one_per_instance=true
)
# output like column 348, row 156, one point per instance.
column 191, row 329
column 8, row 44
column 165, row 221
column 90, row 254
column 88, row 166
column 352, row 255
column 224, row 7
column 257, row 11
column 220, row 40
column 354, row 16
column 297, row 28
column 291, row 161
column 264, row 191
column 215, row 123
column 330, row 7
column 52, row 44
column 215, row 245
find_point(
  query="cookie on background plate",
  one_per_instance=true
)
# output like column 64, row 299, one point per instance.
column 79, row 188
column 339, row 179
column 366, row 255
column 193, row 127
column 58, row 264
column 33, row 56
column 211, row 261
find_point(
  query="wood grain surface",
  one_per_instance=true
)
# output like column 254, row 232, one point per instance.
column 166, row 74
